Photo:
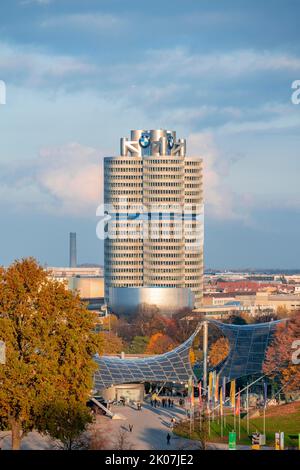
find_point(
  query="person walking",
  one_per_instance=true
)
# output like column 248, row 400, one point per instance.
column 168, row 439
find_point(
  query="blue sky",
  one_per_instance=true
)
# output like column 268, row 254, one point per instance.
column 80, row 74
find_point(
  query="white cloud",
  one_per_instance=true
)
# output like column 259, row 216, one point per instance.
column 72, row 175
column 34, row 67
column 220, row 201
column 234, row 63
column 65, row 180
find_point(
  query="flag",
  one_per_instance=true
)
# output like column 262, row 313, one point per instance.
column 213, row 385
column 232, row 393
column 210, row 385
column 200, row 394
column 217, row 388
column 191, row 390
column 224, row 388
column 238, row 404
column 221, row 401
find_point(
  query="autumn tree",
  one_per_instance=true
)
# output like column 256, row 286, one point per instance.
column 109, row 323
column 159, row 344
column 111, row 343
column 280, row 362
column 50, row 343
column 148, row 321
column 219, row 350
column 182, row 325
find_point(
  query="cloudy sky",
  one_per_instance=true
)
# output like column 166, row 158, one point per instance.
column 81, row 73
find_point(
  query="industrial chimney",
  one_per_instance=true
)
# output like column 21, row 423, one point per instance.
column 73, row 251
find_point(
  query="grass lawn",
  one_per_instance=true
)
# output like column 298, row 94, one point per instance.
column 282, row 420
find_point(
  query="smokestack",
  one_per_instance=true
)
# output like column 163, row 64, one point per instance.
column 73, row 251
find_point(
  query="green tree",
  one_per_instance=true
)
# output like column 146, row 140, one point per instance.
column 139, row 344
column 65, row 422
column 50, row 343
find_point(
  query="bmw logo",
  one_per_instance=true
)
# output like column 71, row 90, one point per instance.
column 170, row 141
column 144, row 140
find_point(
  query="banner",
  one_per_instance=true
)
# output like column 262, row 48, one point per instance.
column 217, row 388
column 224, row 388
column 221, row 402
column 232, row 393
column 210, row 385
column 191, row 390
column 238, row 404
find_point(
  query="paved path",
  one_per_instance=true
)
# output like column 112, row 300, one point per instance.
column 33, row 441
column 150, row 427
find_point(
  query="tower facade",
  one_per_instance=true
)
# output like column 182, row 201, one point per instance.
column 153, row 195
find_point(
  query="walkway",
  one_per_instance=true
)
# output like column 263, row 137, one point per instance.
column 150, row 427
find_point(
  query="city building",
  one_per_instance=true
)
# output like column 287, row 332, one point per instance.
column 87, row 281
column 168, row 300
column 153, row 195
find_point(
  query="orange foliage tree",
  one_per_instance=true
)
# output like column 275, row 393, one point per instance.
column 110, row 322
column 282, row 358
column 112, row 344
column 159, row 343
column 219, row 350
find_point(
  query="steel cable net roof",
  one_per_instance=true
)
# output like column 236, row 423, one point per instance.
column 173, row 366
column 247, row 343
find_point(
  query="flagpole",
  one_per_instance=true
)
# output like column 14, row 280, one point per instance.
column 239, row 415
column 221, row 411
column 265, row 403
column 234, row 418
column 248, row 410
column 224, row 398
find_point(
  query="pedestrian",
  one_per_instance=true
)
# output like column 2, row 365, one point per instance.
column 168, row 439
column 172, row 403
column 169, row 402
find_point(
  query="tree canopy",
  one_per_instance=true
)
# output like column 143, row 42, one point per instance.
column 219, row 350
column 279, row 357
column 50, row 343
column 159, row 344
